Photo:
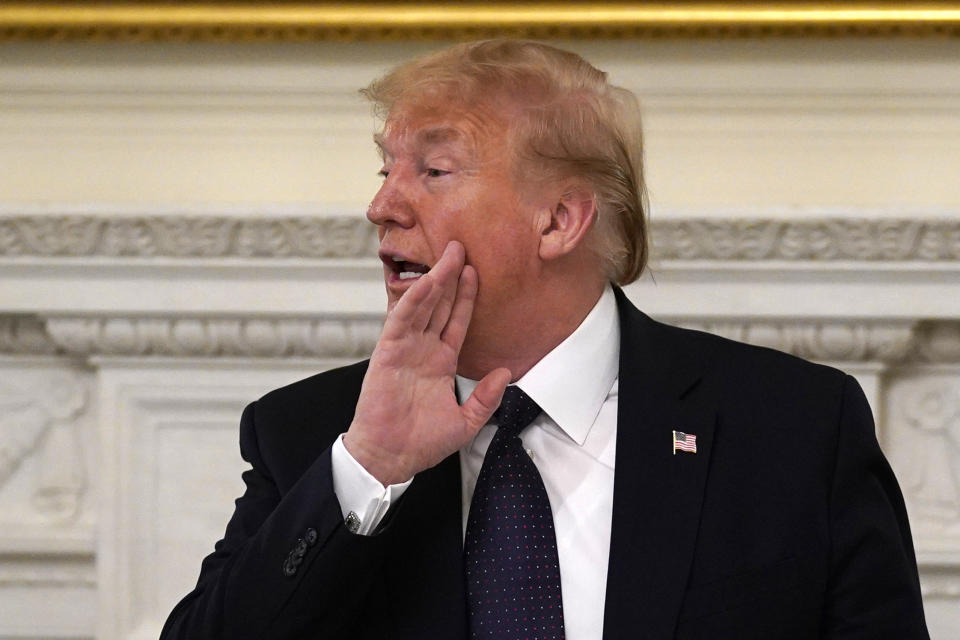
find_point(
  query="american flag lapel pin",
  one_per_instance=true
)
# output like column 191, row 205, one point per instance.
column 684, row 442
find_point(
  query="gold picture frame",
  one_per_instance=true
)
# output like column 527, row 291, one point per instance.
column 406, row 20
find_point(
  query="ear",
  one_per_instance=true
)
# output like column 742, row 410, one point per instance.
column 568, row 222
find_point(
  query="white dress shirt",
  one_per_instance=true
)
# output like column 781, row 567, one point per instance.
column 572, row 443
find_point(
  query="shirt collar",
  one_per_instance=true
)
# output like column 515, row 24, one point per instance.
column 572, row 381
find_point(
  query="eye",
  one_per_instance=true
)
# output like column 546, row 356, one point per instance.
column 383, row 173
column 436, row 173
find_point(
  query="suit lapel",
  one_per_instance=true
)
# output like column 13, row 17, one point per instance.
column 657, row 494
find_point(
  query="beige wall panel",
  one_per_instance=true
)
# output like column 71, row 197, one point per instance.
column 732, row 124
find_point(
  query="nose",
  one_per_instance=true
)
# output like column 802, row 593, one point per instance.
column 390, row 206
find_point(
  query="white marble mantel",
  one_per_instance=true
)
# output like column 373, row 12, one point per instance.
column 130, row 343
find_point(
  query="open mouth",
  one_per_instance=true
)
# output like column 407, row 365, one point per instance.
column 404, row 269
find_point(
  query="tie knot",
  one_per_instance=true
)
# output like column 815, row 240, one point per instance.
column 516, row 411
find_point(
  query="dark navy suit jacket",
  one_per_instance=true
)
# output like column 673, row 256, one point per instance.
column 786, row 524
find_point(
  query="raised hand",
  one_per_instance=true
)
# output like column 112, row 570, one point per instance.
column 407, row 417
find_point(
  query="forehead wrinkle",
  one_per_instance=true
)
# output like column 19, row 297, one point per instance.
column 448, row 138
column 432, row 136
column 423, row 138
column 477, row 132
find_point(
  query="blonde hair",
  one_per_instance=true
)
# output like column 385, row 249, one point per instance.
column 566, row 121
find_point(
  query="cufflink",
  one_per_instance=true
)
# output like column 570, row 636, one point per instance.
column 352, row 522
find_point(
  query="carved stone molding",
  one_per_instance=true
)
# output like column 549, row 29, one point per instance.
column 27, row 572
column 889, row 341
column 186, row 236
column 179, row 236
column 24, row 335
column 939, row 342
column 825, row 341
column 816, row 240
column 940, row 586
column 205, row 337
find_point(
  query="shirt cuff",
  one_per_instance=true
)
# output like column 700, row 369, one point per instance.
column 363, row 500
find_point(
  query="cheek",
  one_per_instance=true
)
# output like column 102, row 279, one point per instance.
column 502, row 255
column 496, row 242
column 453, row 217
column 446, row 225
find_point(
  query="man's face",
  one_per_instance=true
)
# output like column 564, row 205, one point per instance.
column 447, row 177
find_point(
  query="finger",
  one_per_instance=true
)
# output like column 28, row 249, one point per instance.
column 449, row 281
column 443, row 277
column 485, row 399
column 456, row 329
column 410, row 310
column 448, row 267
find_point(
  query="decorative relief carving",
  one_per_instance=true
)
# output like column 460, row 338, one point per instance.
column 925, row 438
column 218, row 236
column 179, row 236
column 829, row 341
column 859, row 341
column 818, row 240
column 24, row 335
column 939, row 341
column 341, row 237
column 37, row 416
column 198, row 337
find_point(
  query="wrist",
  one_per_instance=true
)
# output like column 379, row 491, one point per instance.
column 383, row 466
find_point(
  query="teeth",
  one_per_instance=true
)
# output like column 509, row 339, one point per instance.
column 407, row 275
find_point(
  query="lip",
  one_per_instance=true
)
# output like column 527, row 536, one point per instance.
column 390, row 275
column 387, row 255
column 393, row 281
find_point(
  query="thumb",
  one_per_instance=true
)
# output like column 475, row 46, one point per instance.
column 485, row 398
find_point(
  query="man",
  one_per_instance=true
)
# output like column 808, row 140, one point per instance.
column 672, row 484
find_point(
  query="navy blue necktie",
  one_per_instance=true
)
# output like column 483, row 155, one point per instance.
column 510, row 550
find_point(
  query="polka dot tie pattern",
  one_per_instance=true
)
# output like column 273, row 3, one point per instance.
column 510, row 550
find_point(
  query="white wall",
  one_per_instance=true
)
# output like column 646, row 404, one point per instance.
column 181, row 230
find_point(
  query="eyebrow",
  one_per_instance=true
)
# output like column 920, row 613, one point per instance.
column 378, row 140
column 438, row 135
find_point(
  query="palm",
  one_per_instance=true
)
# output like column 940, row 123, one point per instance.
column 407, row 417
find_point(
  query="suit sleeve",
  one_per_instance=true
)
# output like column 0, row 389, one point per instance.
column 873, row 590
column 285, row 563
